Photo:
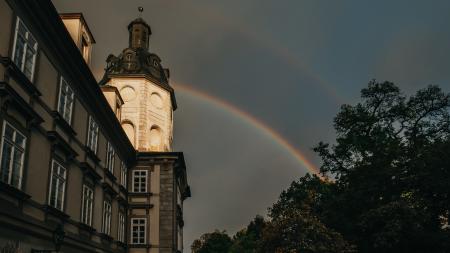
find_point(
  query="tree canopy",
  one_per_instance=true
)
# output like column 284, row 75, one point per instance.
column 385, row 185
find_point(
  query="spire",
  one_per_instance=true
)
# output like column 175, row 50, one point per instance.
column 139, row 32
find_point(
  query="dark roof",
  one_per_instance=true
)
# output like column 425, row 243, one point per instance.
column 140, row 21
column 138, row 62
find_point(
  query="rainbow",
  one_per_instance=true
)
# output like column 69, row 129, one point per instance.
column 273, row 46
column 252, row 121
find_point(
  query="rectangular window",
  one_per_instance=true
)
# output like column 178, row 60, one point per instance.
column 110, row 153
column 12, row 155
column 86, row 205
column 65, row 101
column 138, row 230
column 92, row 135
column 24, row 50
column 123, row 174
column 85, row 49
column 106, row 226
column 57, row 185
column 140, row 181
column 121, row 230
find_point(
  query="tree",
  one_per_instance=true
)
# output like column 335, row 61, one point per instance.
column 386, row 186
column 391, row 166
column 296, row 232
column 248, row 239
column 310, row 195
column 215, row 242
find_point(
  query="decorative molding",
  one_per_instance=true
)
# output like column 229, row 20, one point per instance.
column 13, row 71
column 58, row 141
column 61, row 122
column 88, row 170
column 110, row 175
column 109, row 189
column 55, row 212
column 13, row 191
column 140, row 206
column 10, row 96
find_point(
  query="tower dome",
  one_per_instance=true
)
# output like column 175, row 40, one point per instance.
column 149, row 100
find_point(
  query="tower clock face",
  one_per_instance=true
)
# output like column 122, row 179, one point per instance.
column 127, row 93
column 156, row 100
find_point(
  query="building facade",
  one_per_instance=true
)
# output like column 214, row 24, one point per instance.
column 84, row 166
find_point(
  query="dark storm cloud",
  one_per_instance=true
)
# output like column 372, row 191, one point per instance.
column 288, row 63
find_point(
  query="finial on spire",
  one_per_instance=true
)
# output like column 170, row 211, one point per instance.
column 140, row 9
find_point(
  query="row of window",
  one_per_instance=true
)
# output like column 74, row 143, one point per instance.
column 11, row 171
column 13, row 147
column 138, row 225
column 24, row 56
column 11, row 168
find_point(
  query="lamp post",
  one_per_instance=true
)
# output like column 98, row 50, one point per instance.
column 58, row 239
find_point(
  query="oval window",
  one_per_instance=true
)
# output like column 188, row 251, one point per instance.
column 156, row 100
column 127, row 93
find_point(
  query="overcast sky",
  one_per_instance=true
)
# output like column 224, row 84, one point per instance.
column 289, row 64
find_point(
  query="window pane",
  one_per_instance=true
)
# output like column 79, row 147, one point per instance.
column 20, row 140
column 29, row 62
column 21, row 29
column 6, row 159
column 19, row 51
column 53, row 186
column 17, row 165
column 9, row 132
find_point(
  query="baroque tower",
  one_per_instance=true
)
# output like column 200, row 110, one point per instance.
column 137, row 88
column 142, row 82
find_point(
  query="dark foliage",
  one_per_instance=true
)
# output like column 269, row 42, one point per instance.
column 385, row 183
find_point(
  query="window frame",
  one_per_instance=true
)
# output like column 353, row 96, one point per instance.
column 62, row 81
column 121, row 228
column 13, row 152
column 63, row 193
column 106, row 217
column 123, row 174
column 87, row 219
column 26, row 47
column 92, row 133
column 110, row 155
column 145, row 231
column 133, row 187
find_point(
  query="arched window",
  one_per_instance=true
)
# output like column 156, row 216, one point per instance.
column 155, row 138
column 128, row 127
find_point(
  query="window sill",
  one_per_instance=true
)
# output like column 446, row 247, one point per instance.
column 55, row 212
column 12, row 97
column 140, row 194
column 13, row 191
column 60, row 142
column 122, row 201
column 60, row 121
column 110, row 175
column 140, row 206
column 86, row 227
column 91, row 154
column 121, row 244
column 123, row 189
column 13, row 71
column 89, row 171
column 106, row 237
column 140, row 246
column 108, row 189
